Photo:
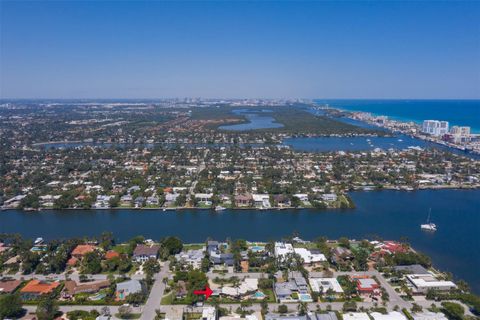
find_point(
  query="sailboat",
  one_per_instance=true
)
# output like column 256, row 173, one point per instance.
column 429, row 226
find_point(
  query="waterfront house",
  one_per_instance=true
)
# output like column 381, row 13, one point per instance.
column 411, row 269
column 340, row 255
column 191, row 258
column 243, row 200
column 170, row 199
column 126, row 200
column 303, row 197
column 422, row 283
column 329, row 197
column 310, row 257
column 281, row 200
column 152, row 201
column 102, row 202
column 109, row 255
column 261, row 200
column 138, row 202
column 35, row 288
column 205, row 198
column 126, row 288
column 82, row 249
column 144, row 252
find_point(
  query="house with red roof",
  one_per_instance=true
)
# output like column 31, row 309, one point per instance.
column 35, row 288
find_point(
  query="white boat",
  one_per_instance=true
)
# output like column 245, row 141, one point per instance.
column 429, row 226
column 219, row 208
column 38, row 241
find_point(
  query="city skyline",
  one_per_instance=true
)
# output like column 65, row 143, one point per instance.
column 150, row 50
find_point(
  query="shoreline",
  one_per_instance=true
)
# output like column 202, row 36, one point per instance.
column 421, row 137
column 166, row 210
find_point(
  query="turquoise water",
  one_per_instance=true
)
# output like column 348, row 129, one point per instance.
column 386, row 214
column 457, row 112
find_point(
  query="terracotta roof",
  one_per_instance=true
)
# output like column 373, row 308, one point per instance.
column 9, row 285
column 83, row 249
column 72, row 261
column 111, row 254
column 41, row 287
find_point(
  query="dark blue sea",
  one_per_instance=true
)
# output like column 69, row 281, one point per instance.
column 457, row 112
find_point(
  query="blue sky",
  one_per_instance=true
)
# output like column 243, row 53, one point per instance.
column 139, row 49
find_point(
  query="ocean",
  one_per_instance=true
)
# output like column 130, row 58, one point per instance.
column 457, row 112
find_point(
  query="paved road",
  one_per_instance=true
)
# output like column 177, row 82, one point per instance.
column 156, row 294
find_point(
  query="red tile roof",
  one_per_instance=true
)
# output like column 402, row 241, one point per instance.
column 40, row 287
column 83, row 249
column 111, row 254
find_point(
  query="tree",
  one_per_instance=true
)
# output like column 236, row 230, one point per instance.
column 170, row 246
column 453, row 310
column 302, row 308
column 264, row 306
column 344, row 242
column 10, row 306
column 150, row 267
column 124, row 311
column 47, row 308
column 92, row 263
column 349, row 306
column 282, row 308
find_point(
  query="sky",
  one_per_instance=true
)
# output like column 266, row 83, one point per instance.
column 246, row 49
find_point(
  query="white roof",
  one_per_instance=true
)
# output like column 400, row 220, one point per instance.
column 282, row 248
column 429, row 316
column 318, row 284
column 248, row 285
column 356, row 316
column 208, row 313
column 308, row 256
column 260, row 197
column 394, row 315
column 428, row 281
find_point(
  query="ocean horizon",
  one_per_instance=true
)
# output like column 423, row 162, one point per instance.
column 458, row 112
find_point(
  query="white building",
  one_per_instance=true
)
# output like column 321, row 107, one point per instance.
column 261, row 200
column 323, row 284
column 191, row 257
column 435, row 127
column 427, row 315
column 310, row 257
column 423, row 282
column 394, row 315
column 209, row 313
column 282, row 249
column 356, row 316
column 461, row 131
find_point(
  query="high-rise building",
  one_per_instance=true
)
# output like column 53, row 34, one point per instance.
column 435, row 127
column 460, row 131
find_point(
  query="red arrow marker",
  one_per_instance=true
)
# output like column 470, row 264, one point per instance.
column 207, row 292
